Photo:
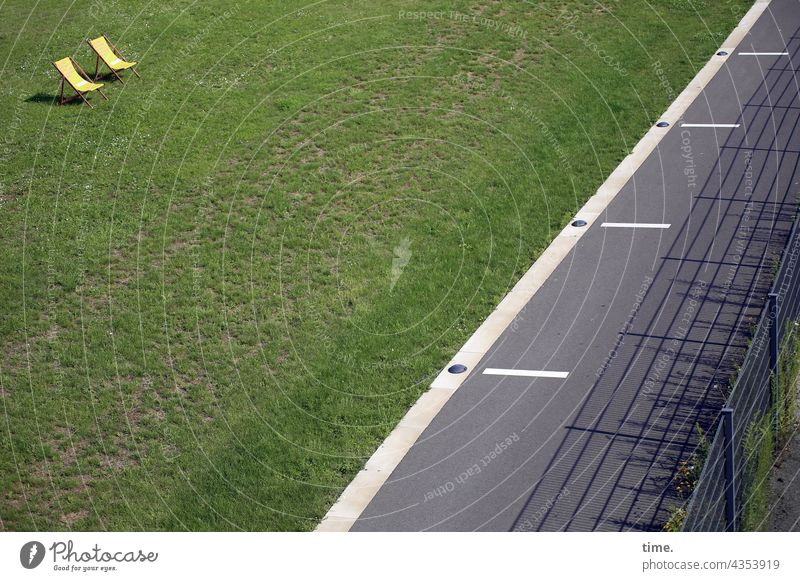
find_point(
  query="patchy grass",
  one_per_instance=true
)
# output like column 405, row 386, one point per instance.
column 789, row 370
column 758, row 457
column 223, row 288
column 767, row 436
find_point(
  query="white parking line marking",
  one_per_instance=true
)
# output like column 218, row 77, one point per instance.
column 526, row 373
column 632, row 225
column 764, row 54
column 728, row 125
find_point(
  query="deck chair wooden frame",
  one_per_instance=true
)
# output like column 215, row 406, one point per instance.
column 105, row 62
column 79, row 93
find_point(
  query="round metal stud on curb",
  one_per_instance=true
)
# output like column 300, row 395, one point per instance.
column 662, row 124
column 457, row 368
column 722, row 53
column 579, row 223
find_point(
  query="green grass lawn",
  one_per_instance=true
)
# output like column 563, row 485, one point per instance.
column 220, row 290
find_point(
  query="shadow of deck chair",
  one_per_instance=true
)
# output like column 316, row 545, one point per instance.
column 112, row 58
column 79, row 81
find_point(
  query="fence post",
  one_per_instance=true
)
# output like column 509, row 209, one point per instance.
column 730, row 472
column 774, row 347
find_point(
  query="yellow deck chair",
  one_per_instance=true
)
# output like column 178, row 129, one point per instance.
column 80, row 82
column 109, row 54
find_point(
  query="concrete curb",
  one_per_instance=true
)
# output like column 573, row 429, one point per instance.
column 368, row 481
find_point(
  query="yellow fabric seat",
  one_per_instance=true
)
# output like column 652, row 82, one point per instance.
column 79, row 81
column 109, row 54
column 121, row 65
column 70, row 73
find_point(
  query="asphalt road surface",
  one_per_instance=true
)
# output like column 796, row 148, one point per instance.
column 580, row 415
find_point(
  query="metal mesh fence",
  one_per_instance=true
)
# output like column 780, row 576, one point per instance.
column 717, row 503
